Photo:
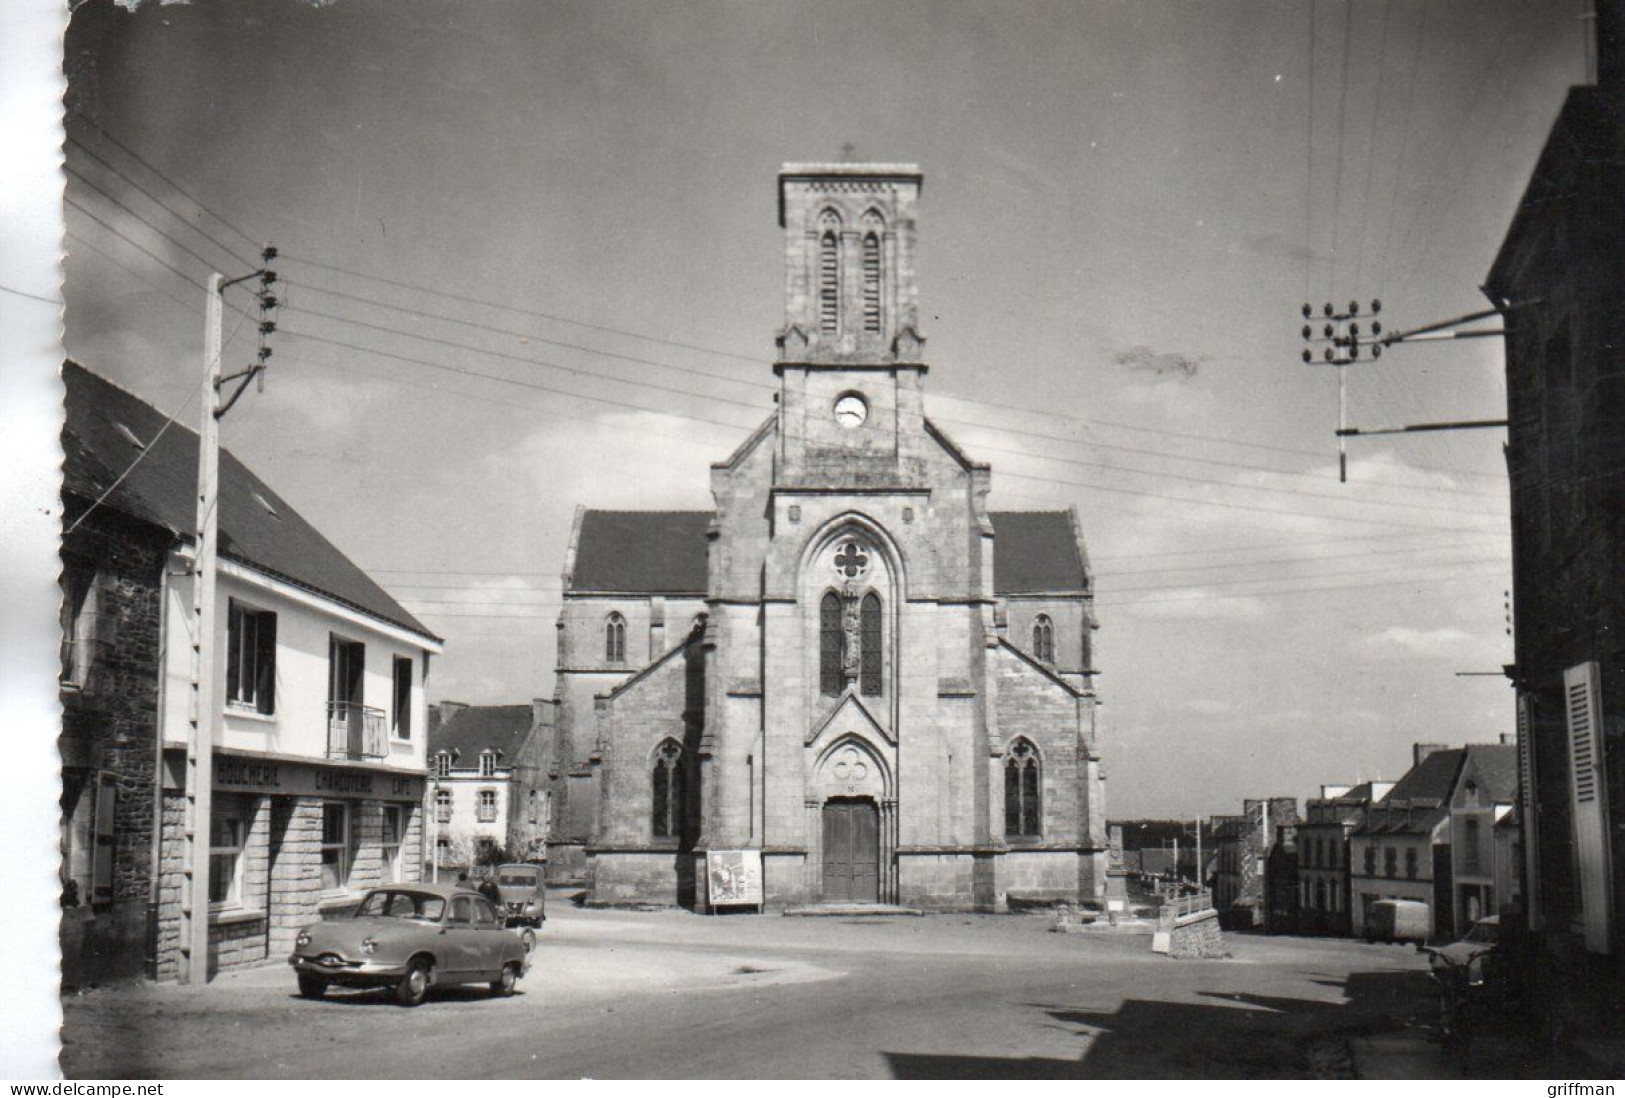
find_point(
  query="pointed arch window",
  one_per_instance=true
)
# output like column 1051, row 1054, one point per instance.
column 1044, row 639
column 829, row 644
column 615, row 638
column 1021, row 791
column 669, row 788
column 829, row 283
column 871, row 283
column 870, row 676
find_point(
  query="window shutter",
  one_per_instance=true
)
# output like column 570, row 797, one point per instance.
column 101, row 867
column 265, row 664
column 1527, row 809
column 1581, row 689
column 234, row 650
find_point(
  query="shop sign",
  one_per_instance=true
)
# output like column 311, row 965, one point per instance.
column 246, row 774
column 733, row 877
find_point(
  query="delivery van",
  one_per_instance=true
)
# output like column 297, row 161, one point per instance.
column 1398, row 921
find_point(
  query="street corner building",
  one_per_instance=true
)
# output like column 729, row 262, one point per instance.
column 850, row 665
column 318, row 729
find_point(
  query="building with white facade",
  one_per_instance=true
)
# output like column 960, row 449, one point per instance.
column 487, row 787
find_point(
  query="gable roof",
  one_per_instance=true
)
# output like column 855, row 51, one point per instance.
column 476, row 728
column 1495, row 766
column 1036, row 551
column 664, row 553
column 1433, row 779
column 257, row 527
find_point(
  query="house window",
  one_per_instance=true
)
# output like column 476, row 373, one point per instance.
column 829, row 645
column 1410, row 863
column 393, row 830
column 442, row 850
column 336, row 853
column 1390, row 861
column 251, row 658
column 78, row 621
column 829, row 283
column 486, row 806
column 488, row 764
column 870, row 679
column 615, row 638
column 485, row 850
column 1044, row 639
column 1021, row 790
column 227, row 831
column 1471, row 861
column 402, row 711
column 442, row 806
column 1370, row 861
column 442, row 764
column 871, row 283
column 669, row 786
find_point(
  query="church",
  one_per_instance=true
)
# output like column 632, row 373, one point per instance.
column 850, row 664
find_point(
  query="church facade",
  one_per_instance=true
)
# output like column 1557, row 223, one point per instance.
column 850, row 664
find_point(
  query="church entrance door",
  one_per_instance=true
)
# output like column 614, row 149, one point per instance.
column 851, row 851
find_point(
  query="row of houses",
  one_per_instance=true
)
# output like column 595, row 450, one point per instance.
column 331, row 772
column 1445, row 835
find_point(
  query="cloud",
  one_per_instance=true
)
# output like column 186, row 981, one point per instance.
column 1194, row 604
column 622, row 460
column 1164, row 364
column 1206, row 706
column 1403, row 642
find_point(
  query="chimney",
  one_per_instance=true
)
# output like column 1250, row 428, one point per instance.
column 1328, row 792
column 541, row 712
column 1423, row 750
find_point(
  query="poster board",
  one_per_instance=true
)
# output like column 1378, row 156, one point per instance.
column 733, row 878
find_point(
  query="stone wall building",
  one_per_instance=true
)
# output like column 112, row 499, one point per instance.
column 1244, row 843
column 1323, row 854
column 317, row 730
column 486, row 781
column 850, row 665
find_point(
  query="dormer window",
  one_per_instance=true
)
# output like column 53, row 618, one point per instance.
column 488, row 764
column 442, row 764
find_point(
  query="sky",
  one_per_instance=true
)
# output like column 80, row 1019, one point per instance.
column 531, row 262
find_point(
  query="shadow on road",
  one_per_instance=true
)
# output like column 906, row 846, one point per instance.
column 1233, row 1036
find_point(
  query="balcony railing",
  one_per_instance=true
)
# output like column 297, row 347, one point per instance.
column 355, row 732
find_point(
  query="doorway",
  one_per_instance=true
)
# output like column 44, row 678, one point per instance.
column 851, row 850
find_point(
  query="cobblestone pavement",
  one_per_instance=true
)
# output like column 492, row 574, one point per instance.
column 671, row 994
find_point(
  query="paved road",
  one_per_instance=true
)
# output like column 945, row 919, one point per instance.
column 670, row 994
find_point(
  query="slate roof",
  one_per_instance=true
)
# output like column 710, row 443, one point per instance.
column 664, row 553
column 1434, row 778
column 477, row 728
column 257, row 526
column 1496, row 768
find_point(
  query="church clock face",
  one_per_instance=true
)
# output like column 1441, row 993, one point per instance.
column 851, row 411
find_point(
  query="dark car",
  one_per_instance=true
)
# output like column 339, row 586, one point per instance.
column 409, row 938
column 523, row 888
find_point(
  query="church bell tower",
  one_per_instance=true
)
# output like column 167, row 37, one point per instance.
column 850, row 354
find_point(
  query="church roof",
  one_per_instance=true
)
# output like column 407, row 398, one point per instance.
column 664, row 553
column 107, row 428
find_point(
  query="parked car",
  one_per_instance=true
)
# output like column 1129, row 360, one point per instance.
column 1398, row 921
column 409, row 938
column 1470, row 949
column 523, row 888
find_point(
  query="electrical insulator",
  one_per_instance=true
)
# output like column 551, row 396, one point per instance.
column 1328, row 330
column 268, row 302
column 1354, row 330
column 1354, row 308
column 1328, row 354
column 1376, row 327
column 267, row 327
column 265, row 353
column 269, row 253
column 1308, row 355
column 1329, row 310
column 1308, row 331
column 1376, row 305
column 267, row 278
column 1307, row 311
column 1376, row 350
column 1354, row 350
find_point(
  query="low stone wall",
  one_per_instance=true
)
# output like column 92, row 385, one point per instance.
column 640, row 877
column 1196, row 936
column 1037, row 876
column 936, row 881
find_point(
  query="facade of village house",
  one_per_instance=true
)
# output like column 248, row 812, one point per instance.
column 485, row 782
column 1323, row 854
column 850, row 665
column 319, row 761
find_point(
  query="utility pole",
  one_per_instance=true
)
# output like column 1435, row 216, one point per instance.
column 206, row 702
column 1198, row 852
column 200, row 741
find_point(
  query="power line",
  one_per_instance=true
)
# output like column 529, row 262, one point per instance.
column 1409, row 568
column 1107, row 604
column 31, row 297
column 139, row 159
